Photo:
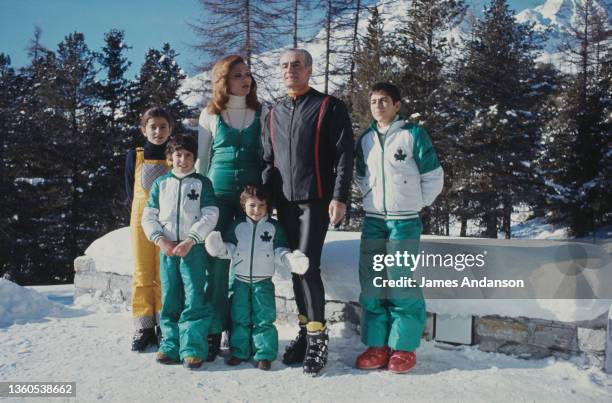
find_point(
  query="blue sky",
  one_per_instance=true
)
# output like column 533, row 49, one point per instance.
column 147, row 24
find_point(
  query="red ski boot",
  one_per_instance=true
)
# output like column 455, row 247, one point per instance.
column 402, row 361
column 373, row 358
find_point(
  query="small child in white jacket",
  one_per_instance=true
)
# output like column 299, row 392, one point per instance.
column 256, row 244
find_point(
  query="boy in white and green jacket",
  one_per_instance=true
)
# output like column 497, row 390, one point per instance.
column 180, row 213
column 256, row 244
column 398, row 173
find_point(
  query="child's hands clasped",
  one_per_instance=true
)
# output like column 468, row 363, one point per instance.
column 183, row 248
column 167, row 247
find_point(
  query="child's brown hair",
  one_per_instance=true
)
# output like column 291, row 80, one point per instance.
column 252, row 191
column 156, row 112
column 182, row 141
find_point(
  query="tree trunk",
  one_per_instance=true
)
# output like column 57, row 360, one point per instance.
column 463, row 231
column 447, row 224
column 507, row 217
column 248, row 45
column 295, row 23
column 491, row 222
column 354, row 50
column 327, row 43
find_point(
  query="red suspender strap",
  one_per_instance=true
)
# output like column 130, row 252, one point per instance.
column 271, row 125
column 317, row 141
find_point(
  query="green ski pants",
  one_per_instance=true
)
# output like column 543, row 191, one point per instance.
column 253, row 315
column 185, row 316
column 391, row 316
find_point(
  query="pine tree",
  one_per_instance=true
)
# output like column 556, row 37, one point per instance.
column 77, row 104
column 423, row 52
column 41, row 254
column 501, row 138
column 371, row 67
column 114, row 91
column 578, row 158
column 115, row 86
column 8, row 205
column 158, row 84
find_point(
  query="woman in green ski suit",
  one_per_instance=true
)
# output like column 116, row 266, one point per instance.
column 230, row 154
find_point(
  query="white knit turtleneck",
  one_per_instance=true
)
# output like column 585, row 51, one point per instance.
column 236, row 114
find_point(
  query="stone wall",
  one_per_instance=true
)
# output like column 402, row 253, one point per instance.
column 494, row 329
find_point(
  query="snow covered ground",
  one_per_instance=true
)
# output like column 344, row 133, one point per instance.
column 87, row 342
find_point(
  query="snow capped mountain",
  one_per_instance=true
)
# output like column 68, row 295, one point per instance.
column 555, row 18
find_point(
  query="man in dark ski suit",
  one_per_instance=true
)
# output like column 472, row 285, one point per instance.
column 308, row 156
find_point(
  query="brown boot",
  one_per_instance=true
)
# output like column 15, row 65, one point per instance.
column 233, row 361
column 192, row 362
column 165, row 359
column 264, row 364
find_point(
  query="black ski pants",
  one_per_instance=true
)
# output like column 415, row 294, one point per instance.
column 306, row 226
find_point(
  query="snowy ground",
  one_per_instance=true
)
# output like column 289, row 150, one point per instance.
column 88, row 342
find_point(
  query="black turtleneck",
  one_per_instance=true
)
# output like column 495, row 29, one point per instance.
column 151, row 152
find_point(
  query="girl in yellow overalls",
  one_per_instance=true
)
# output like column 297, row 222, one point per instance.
column 142, row 166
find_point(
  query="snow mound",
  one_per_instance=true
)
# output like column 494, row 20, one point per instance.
column 113, row 252
column 20, row 305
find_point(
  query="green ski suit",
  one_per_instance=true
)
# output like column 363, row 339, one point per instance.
column 398, row 173
column 180, row 208
column 255, row 248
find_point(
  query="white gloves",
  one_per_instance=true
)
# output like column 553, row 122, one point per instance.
column 214, row 245
column 297, row 262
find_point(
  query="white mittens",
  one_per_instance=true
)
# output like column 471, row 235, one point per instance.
column 214, row 245
column 297, row 262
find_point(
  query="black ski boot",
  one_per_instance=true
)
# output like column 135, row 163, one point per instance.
column 296, row 350
column 143, row 338
column 214, row 345
column 316, row 353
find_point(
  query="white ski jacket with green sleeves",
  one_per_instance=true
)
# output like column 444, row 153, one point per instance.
column 179, row 208
column 256, row 248
column 399, row 175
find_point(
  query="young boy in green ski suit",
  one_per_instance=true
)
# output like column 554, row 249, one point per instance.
column 180, row 213
column 256, row 244
column 398, row 173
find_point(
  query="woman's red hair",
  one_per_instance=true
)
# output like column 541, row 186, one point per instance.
column 220, row 76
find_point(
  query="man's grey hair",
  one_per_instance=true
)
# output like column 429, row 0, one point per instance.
column 304, row 52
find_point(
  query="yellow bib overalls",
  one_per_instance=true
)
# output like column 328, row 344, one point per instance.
column 146, row 291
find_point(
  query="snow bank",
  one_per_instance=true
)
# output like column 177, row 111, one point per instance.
column 113, row 252
column 19, row 304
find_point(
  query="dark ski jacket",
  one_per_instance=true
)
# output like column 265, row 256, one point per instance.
column 308, row 149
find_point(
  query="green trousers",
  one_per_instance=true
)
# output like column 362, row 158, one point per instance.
column 185, row 316
column 391, row 316
column 219, row 277
column 253, row 315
